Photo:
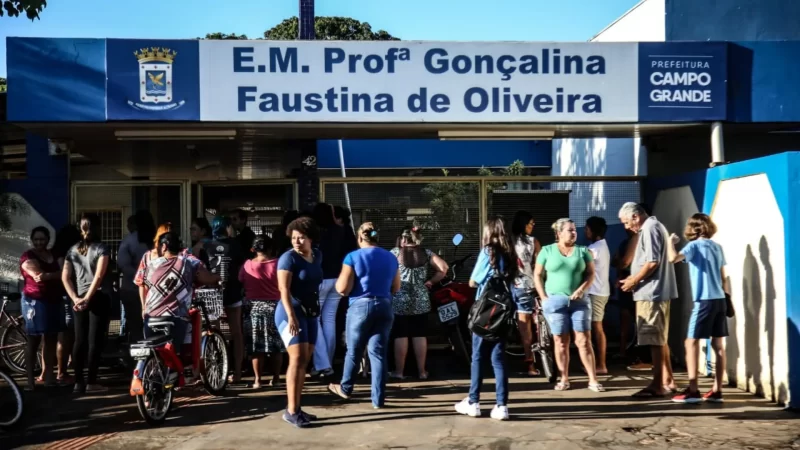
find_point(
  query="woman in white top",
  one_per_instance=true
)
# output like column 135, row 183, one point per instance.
column 600, row 289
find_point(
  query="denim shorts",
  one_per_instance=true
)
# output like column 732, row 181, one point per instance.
column 563, row 315
column 524, row 300
column 42, row 317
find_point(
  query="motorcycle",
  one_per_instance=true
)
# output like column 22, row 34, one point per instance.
column 451, row 301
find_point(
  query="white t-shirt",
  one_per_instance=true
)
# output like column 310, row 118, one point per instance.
column 602, row 262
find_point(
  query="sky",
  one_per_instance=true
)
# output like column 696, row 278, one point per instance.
column 431, row 20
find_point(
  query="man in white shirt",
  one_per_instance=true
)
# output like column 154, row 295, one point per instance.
column 600, row 289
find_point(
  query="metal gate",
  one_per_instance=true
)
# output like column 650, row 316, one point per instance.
column 444, row 206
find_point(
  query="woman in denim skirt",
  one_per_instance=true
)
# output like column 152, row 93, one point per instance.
column 41, row 305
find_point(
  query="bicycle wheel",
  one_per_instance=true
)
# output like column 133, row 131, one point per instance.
column 13, row 342
column 11, row 402
column 214, row 363
column 546, row 352
column 462, row 347
column 156, row 401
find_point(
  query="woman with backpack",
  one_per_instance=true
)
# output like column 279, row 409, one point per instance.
column 496, row 262
column 570, row 273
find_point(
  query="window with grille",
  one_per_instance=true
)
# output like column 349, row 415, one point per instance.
column 440, row 209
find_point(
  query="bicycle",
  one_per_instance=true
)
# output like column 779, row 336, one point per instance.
column 542, row 345
column 11, row 401
column 163, row 371
column 14, row 339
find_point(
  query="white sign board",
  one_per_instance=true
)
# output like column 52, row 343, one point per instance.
column 399, row 81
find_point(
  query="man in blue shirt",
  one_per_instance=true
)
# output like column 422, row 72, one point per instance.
column 709, row 314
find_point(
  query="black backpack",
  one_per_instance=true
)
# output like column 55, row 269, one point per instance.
column 493, row 312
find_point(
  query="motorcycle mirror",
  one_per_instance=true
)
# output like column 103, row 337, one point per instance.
column 457, row 239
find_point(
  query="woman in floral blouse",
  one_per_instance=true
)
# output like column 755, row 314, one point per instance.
column 412, row 303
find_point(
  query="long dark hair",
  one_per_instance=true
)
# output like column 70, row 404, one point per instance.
column 66, row 237
column 498, row 243
column 90, row 232
column 521, row 220
column 145, row 227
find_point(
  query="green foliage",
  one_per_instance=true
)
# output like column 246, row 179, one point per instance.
column 3, row 85
column 329, row 28
column 14, row 8
column 226, row 36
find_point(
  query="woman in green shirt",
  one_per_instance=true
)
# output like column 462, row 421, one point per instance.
column 570, row 271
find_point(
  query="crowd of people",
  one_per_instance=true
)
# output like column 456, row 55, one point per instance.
column 281, row 292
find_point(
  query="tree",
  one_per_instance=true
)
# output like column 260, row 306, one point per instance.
column 329, row 28
column 3, row 85
column 31, row 8
column 226, row 36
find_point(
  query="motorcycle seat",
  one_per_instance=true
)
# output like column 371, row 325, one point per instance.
column 153, row 341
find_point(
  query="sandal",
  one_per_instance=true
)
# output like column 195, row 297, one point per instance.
column 597, row 387
column 532, row 371
column 424, row 376
column 668, row 390
column 336, row 389
column 561, row 386
column 396, row 376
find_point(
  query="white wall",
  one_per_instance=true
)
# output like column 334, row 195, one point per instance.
column 645, row 22
column 14, row 242
column 598, row 157
column 756, row 265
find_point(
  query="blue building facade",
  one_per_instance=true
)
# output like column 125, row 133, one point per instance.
column 60, row 88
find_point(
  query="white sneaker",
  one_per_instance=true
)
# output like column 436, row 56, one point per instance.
column 467, row 409
column 499, row 413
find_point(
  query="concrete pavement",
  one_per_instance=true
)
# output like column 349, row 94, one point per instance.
column 418, row 416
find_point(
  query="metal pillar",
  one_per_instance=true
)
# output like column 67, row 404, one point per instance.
column 717, row 144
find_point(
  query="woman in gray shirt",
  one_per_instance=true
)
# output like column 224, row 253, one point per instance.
column 84, row 280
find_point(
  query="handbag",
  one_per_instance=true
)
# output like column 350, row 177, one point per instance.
column 309, row 303
column 729, row 311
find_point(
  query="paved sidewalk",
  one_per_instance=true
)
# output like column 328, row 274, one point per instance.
column 419, row 416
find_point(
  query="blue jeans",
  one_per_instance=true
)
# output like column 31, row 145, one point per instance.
column 369, row 322
column 497, row 351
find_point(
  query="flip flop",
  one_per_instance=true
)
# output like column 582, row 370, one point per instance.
column 647, row 393
column 562, row 386
column 597, row 387
column 668, row 390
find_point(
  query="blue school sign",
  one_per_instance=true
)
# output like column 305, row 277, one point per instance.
column 376, row 82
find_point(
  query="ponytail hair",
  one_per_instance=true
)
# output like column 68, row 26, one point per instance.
column 264, row 245
column 368, row 233
column 90, row 232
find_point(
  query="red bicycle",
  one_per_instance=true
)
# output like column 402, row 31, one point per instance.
column 163, row 370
